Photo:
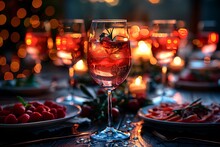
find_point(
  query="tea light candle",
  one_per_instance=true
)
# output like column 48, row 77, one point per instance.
column 177, row 64
column 138, row 87
column 80, row 67
column 143, row 51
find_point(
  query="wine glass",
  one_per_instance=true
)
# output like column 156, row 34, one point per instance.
column 207, row 39
column 109, row 63
column 70, row 46
column 165, row 43
column 37, row 42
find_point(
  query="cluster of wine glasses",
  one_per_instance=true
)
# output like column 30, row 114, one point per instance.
column 108, row 55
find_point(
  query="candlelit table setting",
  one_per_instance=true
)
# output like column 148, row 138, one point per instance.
column 107, row 96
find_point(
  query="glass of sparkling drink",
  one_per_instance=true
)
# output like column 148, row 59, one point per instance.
column 109, row 62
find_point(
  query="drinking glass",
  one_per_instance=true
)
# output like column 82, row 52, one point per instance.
column 207, row 39
column 109, row 62
column 165, row 43
column 37, row 41
column 70, row 46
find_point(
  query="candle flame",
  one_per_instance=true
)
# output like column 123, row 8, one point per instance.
column 138, row 80
column 177, row 60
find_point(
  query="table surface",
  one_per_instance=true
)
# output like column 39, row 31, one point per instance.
column 141, row 133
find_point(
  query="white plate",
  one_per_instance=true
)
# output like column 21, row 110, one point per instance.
column 177, row 126
column 72, row 111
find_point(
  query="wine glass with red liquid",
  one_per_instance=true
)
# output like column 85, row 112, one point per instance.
column 70, row 46
column 207, row 39
column 165, row 43
column 109, row 62
column 37, row 40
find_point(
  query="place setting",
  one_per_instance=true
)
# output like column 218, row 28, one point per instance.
column 137, row 79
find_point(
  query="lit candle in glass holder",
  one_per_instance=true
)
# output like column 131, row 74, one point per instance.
column 80, row 67
column 143, row 51
column 177, row 64
column 138, row 87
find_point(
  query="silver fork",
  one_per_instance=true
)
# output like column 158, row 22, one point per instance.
column 165, row 138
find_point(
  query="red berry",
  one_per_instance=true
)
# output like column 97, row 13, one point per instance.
column 47, row 115
column 133, row 105
column 86, row 111
column 114, row 100
column 48, row 103
column 31, row 107
column 115, row 113
column 60, row 113
column 24, row 118
column 4, row 112
column 40, row 109
column 35, row 116
column 100, row 92
column 18, row 109
column 54, row 111
column 10, row 119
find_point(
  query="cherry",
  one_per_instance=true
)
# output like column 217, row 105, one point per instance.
column 133, row 105
column 86, row 111
column 10, row 119
column 115, row 113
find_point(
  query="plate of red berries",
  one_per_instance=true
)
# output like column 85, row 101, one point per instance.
column 36, row 113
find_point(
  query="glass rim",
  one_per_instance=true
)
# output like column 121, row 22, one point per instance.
column 164, row 21
column 109, row 20
column 72, row 20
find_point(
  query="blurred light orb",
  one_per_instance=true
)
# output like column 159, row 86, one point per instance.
column 27, row 22
column 1, row 41
column 15, row 21
column 21, row 13
column 2, row 61
column 2, row 5
column 37, row 3
column 154, row 1
column 4, row 34
column 3, row 19
column 15, row 37
column 49, row 11
column 8, row 76
column 54, row 23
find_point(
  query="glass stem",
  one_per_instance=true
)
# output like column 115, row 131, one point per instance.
column 164, row 73
column 71, row 79
column 109, row 108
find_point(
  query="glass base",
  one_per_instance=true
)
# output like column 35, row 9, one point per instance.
column 110, row 135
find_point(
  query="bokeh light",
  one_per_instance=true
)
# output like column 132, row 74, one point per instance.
column 2, row 5
column 8, row 76
column 22, row 51
column 4, row 34
column 21, row 13
column 15, row 21
column 37, row 3
column 49, row 11
column 15, row 37
column 3, row 19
